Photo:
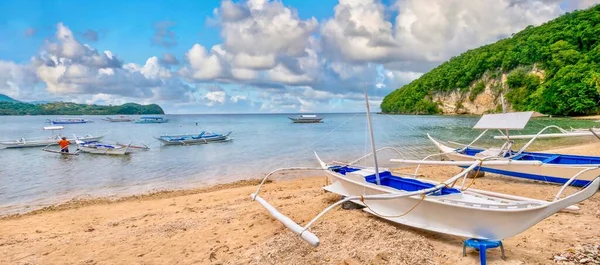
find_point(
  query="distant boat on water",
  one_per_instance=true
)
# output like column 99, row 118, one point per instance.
column 47, row 141
column 200, row 138
column 151, row 119
column 306, row 119
column 68, row 121
column 121, row 118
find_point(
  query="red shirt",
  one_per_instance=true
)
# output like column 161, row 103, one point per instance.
column 63, row 143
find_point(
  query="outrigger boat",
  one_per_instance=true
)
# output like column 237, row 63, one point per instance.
column 119, row 119
column 69, row 121
column 562, row 134
column 187, row 139
column 555, row 168
column 151, row 119
column 306, row 119
column 438, row 207
column 95, row 147
column 59, row 151
column 48, row 141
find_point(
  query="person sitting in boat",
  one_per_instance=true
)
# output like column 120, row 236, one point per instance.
column 64, row 145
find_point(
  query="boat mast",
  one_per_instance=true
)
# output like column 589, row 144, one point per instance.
column 372, row 138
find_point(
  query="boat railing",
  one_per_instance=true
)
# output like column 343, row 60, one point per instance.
column 535, row 137
column 573, row 178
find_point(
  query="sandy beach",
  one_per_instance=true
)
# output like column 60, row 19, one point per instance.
column 221, row 225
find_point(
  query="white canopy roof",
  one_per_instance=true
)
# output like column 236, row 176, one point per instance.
column 54, row 128
column 504, row 121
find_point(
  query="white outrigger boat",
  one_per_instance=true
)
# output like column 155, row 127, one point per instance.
column 197, row 138
column 439, row 207
column 555, row 168
column 121, row 118
column 306, row 118
column 562, row 134
column 48, row 141
column 99, row 148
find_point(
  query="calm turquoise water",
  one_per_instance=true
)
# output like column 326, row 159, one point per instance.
column 31, row 178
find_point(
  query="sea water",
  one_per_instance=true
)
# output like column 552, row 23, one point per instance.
column 31, row 178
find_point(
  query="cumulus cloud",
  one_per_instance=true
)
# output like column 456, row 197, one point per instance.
column 437, row 29
column 66, row 67
column 164, row 35
column 16, row 80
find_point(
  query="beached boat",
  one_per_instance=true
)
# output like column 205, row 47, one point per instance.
column 151, row 119
column 562, row 134
column 95, row 147
column 119, row 119
column 200, row 138
column 69, row 121
column 306, row 119
column 555, row 168
column 438, row 207
column 45, row 141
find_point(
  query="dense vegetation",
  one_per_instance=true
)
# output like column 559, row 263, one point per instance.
column 68, row 108
column 566, row 49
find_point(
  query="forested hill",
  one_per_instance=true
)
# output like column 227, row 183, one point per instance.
column 68, row 108
column 553, row 68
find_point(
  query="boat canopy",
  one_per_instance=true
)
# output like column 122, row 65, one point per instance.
column 308, row 116
column 53, row 128
column 151, row 117
column 504, row 121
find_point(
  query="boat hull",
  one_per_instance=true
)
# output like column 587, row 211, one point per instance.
column 195, row 141
column 189, row 139
column 552, row 173
column 451, row 214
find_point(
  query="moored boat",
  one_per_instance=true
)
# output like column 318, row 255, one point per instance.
column 121, row 118
column 95, row 147
column 555, row 168
column 68, row 121
column 47, row 141
column 151, row 119
column 306, row 119
column 200, row 138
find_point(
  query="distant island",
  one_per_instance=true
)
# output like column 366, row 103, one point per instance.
column 10, row 106
column 553, row 68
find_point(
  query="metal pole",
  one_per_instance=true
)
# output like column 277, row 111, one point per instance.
column 372, row 137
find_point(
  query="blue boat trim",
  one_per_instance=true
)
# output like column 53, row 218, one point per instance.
column 387, row 179
column 545, row 158
column 577, row 183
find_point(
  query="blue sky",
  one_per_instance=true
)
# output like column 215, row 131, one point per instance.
column 242, row 56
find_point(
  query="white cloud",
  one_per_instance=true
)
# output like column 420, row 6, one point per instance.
column 215, row 97
column 203, row 66
column 582, row 4
column 16, row 80
column 425, row 30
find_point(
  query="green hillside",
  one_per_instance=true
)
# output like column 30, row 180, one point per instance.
column 566, row 50
column 68, row 108
column 5, row 98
